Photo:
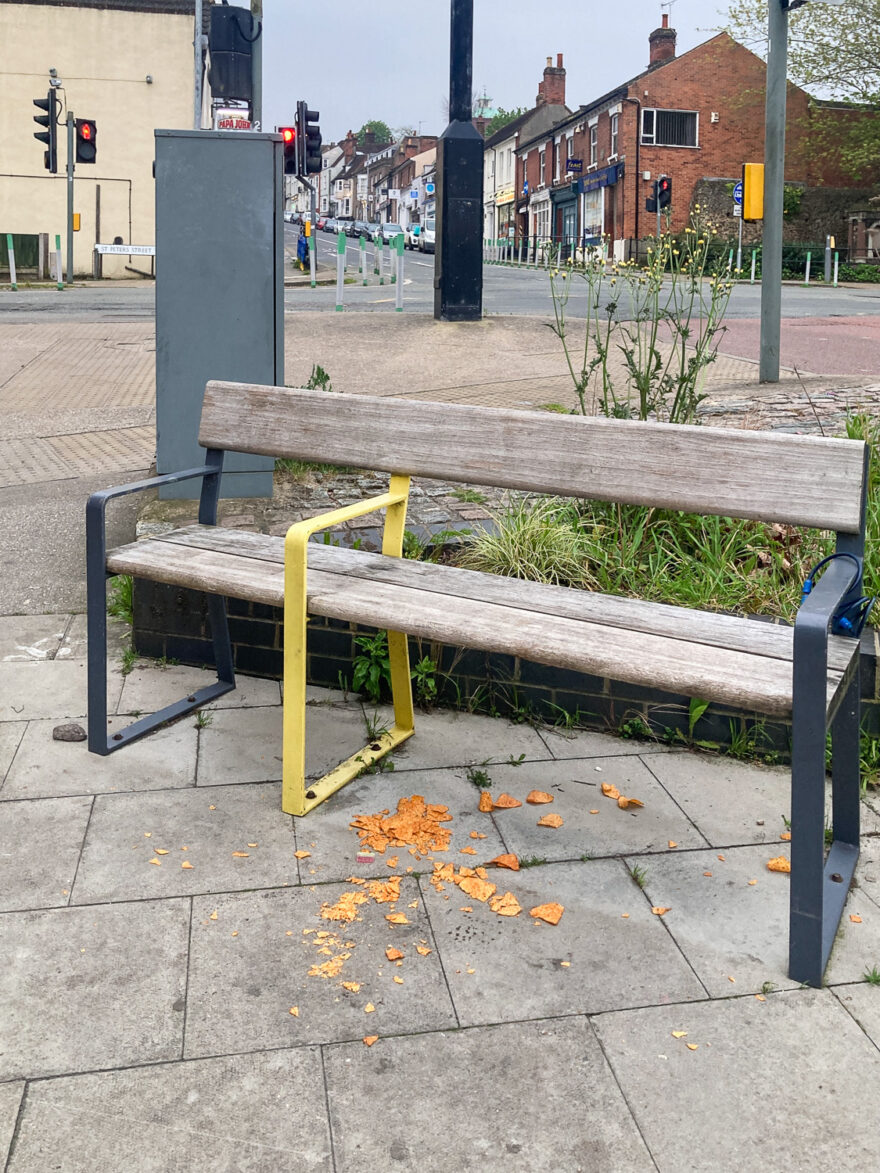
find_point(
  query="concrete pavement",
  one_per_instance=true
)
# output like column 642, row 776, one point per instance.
column 146, row 1007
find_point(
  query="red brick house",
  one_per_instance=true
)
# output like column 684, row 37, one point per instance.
column 691, row 117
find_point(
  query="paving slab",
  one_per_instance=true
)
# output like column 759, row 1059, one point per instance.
column 735, row 802
column 772, row 1086
column 46, row 768
column 584, row 743
column 327, row 832
column 127, row 831
column 240, row 1114
column 862, row 1001
column 82, row 988
column 149, row 687
column 728, row 928
column 444, row 738
column 31, row 637
column 74, row 646
column 11, row 733
column 40, row 844
column 566, row 1114
column 596, row 958
column 34, row 690
column 10, row 1100
column 244, row 745
column 242, row 986
column 576, row 786
column 868, row 868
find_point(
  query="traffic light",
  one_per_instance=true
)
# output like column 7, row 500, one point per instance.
column 86, row 140
column 49, row 136
column 288, row 136
column 664, row 191
column 309, row 138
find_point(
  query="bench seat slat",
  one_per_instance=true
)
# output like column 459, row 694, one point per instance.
column 708, row 627
column 251, row 566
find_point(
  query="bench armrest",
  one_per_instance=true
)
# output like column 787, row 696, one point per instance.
column 811, row 626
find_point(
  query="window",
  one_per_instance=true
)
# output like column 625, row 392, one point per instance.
column 669, row 128
column 542, row 161
column 556, row 161
column 594, row 144
column 615, row 125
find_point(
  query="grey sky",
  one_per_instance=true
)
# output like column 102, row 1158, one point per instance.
column 354, row 61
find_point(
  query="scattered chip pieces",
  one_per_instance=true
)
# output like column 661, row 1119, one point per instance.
column 477, row 835
column 396, row 918
column 506, row 802
column 392, row 862
column 353, row 987
column 760, row 998
column 213, row 915
column 505, row 904
column 550, row 821
column 393, row 954
column 485, row 804
column 370, row 1039
column 479, row 889
column 672, row 843
column 659, row 910
column 625, row 803
column 186, row 864
column 385, row 891
column 415, row 823
column 345, row 908
column 505, row 861
column 157, row 862
column 707, row 873
column 161, row 851
column 536, row 797
column 399, row 980
column 551, row 913
column 779, row 864
column 294, row 1010
column 594, row 812
column 855, row 918
column 692, row 1046
column 249, row 845
column 302, row 854
column 423, row 950
column 679, row 1034
column 240, row 854
column 369, row 1008
column 610, row 791
column 786, row 835
column 752, row 883
column 468, row 851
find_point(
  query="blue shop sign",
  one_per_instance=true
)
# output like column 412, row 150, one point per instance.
column 604, row 178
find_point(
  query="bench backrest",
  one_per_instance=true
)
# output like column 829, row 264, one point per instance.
column 799, row 480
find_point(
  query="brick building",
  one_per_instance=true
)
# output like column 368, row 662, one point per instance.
column 691, row 117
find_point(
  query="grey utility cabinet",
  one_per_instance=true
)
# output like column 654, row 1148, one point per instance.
column 219, row 289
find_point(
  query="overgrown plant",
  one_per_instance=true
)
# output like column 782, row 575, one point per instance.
column 664, row 318
column 371, row 668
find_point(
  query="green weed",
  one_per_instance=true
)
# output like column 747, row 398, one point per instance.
column 371, row 668
column 424, row 678
column 532, row 861
column 129, row 659
column 640, row 875
column 120, row 598
column 872, row 976
column 478, row 777
column 473, row 496
column 204, row 718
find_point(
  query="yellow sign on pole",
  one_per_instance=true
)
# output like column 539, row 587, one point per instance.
column 76, row 221
column 753, row 191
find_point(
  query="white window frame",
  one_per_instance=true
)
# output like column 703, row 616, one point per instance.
column 594, row 143
column 542, row 167
column 615, row 132
column 649, row 137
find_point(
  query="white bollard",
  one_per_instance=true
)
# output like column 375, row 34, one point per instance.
column 10, row 249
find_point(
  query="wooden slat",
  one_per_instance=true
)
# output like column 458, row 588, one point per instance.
column 799, row 480
column 674, row 664
column 707, row 627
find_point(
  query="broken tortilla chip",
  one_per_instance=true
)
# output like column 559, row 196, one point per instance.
column 536, row 797
column 396, row 918
column 505, row 904
column 610, row 791
column 479, row 889
column 393, row 954
column 505, row 861
column 302, row 854
column 352, row 986
column 345, row 908
column 626, row 803
column 779, row 864
column 370, row 1039
column 485, row 804
column 551, row 913
column 550, row 821
column 659, row 910
column 506, row 802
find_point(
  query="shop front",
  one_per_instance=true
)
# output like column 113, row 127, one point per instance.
column 600, row 209
column 565, row 219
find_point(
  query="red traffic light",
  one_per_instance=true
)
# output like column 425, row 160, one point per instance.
column 288, row 133
column 86, row 132
column 86, row 140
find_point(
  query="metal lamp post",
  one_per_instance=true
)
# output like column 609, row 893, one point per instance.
column 774, row 184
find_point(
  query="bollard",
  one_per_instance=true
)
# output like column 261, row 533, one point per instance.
column 390, row 246
column 520, row 252
column 313, row 261
column 730, row 261
column 754, row 259
column 10, row 248
column 363, row 268
column 836, row 259
column 340, row 270
column 399, row 244
column 807, row 275
column 58, row 272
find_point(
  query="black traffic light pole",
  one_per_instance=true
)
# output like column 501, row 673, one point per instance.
column 458, row 273
column 70, row 166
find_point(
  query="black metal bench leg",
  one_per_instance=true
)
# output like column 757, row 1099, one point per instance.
column 820, row 884
column 99, row 740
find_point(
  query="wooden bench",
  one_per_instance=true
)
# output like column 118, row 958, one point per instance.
column 805, row 672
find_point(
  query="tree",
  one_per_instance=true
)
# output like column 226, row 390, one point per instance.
column 833, row 52
column 379, row 128
column 502, row 118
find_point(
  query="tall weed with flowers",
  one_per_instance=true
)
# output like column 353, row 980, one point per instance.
column 664, row 318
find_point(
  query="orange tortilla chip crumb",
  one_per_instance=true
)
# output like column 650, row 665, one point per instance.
column 506, row 904
column 468, row 851
column 610, row 791
column 551, row 913
column 779, row 864
column 370, row 1039
column 393, row 954
column 479, row 889
column 345, row 908
column 551, row 821
column 396, row 918
column 486, row 803
column 506, row 802
column 625, row 803
column 536, row 797
column 506, row 861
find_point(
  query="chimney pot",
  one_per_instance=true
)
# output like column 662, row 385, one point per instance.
column 661, row 44
column 665, row 21
column 559, row 61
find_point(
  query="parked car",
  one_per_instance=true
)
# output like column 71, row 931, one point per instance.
column 331, row 225
column 288, row 218
column 411, row 236
column 373, row 229
column 426, row 237
column 359, row 228
column 343, row 225
column 320, row 223
column 389, row 231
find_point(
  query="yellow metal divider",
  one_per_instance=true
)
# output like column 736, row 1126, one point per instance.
column 297, row 798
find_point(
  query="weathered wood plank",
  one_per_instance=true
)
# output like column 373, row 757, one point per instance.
column 800, row 480
column 726, row 631
column 635, row 657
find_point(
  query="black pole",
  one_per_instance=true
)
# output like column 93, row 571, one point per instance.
column 458, row 274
